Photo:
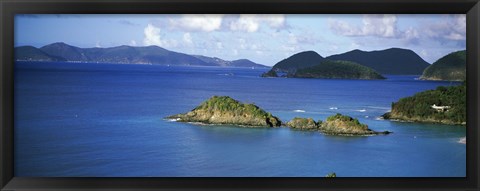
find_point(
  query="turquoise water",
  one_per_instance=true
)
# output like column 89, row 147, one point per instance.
column 105, row 120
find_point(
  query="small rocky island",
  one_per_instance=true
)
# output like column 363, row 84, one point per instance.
column 304, row 124
column 226, row 110
column 334, row 125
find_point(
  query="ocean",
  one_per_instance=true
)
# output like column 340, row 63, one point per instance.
column 107, row 120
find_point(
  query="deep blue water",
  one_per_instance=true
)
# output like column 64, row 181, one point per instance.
column 106, row 120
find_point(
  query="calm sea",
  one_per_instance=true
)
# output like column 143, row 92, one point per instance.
column 106, row 120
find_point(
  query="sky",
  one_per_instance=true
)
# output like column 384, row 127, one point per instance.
column 265, row 39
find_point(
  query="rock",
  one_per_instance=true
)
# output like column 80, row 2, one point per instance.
column 225, row 110
column 344, row 125
column 270, row 73
column 303, row 124
column 334, row 125
column 331, row 175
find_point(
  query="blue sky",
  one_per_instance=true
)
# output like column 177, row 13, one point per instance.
column 265, row 39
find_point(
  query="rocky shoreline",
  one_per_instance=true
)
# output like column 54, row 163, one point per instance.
column 334, row 125
column 402, row 118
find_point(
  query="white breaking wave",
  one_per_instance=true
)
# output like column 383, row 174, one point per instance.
column 174, row 119
column 382, row 108
column 333, row 108
column 228, row 74
column 361, row 110
column 463, row 140
column 299, row 111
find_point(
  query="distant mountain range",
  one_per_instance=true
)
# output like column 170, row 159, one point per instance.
column 451, row 67
column 123, row 55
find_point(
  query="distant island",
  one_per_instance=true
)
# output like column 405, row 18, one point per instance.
column 334, row 125
column 224, row 110
column 451, row 67
column 297, row 61
column 392, row 61
column 336, row 69
column 446, row 105
column 123, row 55
column 310, row 64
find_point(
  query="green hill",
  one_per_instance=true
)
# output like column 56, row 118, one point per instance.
column 297, row 61
column 451, row 67
column 418, row 108
column 310, row 64
column 395, row 61
column 337, row 70
column 34, row 54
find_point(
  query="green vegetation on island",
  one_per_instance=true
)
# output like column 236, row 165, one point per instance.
column 31, row 53
column 297, row 61
column 270, row 73
column 225, row 110
column 446, row 105
column 395, row 61
column 334, row 125
column 337, row 69
column 331, row 175
column 310, row 64
column 345, row 125
column 304, row 124
column 451, row 67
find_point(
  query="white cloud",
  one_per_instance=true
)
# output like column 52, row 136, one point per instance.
column 133, row 43
column 424, row 53
column 252, row 22
column 274, row 21
column 187, row 39
column 243, row 43
column 292, row 39
column 411, row 35
column 153, row 37
column 198, row 22
column 289, row 48
column 372, row 25
column 453, row 28
column 354, row 45
column 235, row 52
column 248, row 23
column 219, row 45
